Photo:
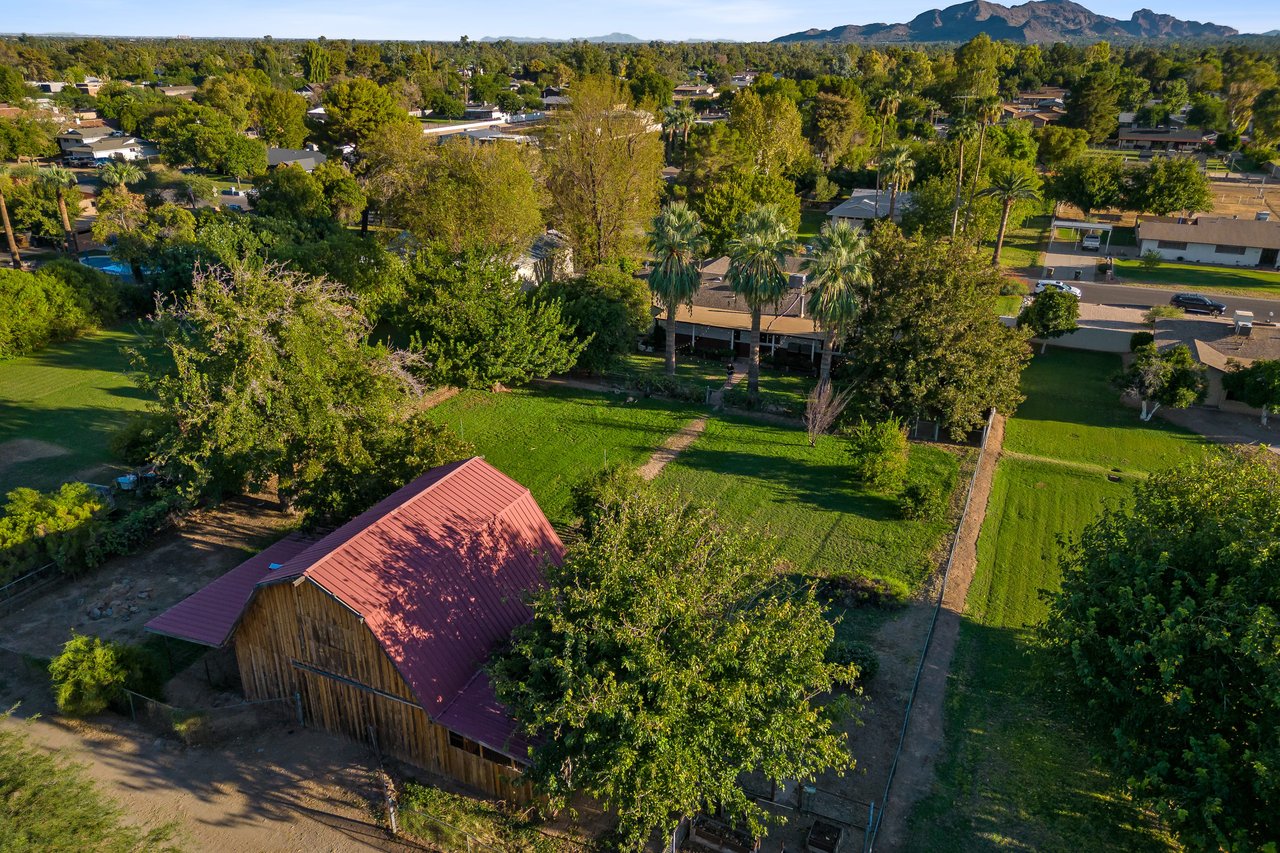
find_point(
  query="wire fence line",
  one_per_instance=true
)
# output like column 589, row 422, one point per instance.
column 874, row 829
column 16, row 593
column 212, row 724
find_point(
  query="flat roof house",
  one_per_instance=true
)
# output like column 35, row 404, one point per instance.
column 382, row 628
column 1213, row 240
column 1220, row 345
column 305, row 158
column 1162, row 139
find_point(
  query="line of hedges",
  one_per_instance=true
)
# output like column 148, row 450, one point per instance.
column 60, row 301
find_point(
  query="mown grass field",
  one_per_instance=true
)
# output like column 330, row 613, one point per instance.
column 1024, row 246
column 770, row 481
column 1244, row 281
column 1017, row 773
column 778, row 389
column 59, row 407
column 551, row 439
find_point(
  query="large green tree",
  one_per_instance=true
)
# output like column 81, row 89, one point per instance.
column 1168, row 626
column 930, row 342
column 1010, row 184
column 1167, row 185
column 1257, row 385
column 662, row 663
column 475, row 326
column 603, row 166
column 608, row 308
column 1090, row 183
column 1171, row 377
column 262, row 373
column 1051, row 314
column 358, row 110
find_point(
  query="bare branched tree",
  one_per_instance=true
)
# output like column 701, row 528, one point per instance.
column 823, row 409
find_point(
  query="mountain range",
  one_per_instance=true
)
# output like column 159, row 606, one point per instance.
column 1038, row 21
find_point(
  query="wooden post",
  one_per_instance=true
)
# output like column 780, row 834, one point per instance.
column 389, row 792
column 297, row 702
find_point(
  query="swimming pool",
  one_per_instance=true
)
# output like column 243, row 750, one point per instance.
column 108, row 265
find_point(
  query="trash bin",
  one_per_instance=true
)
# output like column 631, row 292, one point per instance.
column 1077, row 275
column 1048, row 273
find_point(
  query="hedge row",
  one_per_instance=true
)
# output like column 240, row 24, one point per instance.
column 60, row 301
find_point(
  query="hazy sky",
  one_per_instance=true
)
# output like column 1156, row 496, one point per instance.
column 433, row 19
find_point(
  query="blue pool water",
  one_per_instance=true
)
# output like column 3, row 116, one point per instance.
column 107, row 265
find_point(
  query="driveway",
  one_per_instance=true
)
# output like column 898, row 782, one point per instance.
column 1066, row 259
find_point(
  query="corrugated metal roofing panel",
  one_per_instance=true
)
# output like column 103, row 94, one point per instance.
column 208, row 615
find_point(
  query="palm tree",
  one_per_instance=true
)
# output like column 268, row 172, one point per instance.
column 988, row 111
column 838, row 270
column 898, row 167
column 120, row 173
column 1010, row 185
column 885, row 107
column 961, row 131
column 676, row 240
column 678, row 118
column 756, row 273
column 61, row 180
column 5, row 182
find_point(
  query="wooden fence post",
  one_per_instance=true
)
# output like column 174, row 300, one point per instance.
column 297, row 703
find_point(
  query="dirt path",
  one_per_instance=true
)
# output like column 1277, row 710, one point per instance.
column 673, row 446
column 925, row 734
column 279, row 791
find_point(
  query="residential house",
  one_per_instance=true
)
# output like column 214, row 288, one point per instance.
column 109, row 148
column 719, row 320
column 692, row 91
column 483, row 112
column 1220, row 345
column 549, row 258
column 184, row 92
column 305, row 158
column 1222, row 240
column 90, row 86
column 381, row 629
column 1162, row 139
column 82, row 133
column 863, row 206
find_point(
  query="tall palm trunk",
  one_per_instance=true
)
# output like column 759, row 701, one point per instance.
column 72, row 241
column 955, row 213
column 824, row 369
column 893, row 199
column 14, row 257
column 879, row 156
column 977, row 175
column 753, row 363
column 1004, row 223
column 671, row 339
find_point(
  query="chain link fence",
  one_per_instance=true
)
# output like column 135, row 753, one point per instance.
column 211, row 725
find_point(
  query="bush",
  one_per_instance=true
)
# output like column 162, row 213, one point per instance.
column 1150, row 260
column 59, row 302
column 88, row 675
column 1162, row 312
column 921, row 500
column 134, row 529
column 879, row 450
column 40, row 527
column 1012, row 287
column 1140, row 339
column 599, row 496
column 137, row 438
column 858, row 653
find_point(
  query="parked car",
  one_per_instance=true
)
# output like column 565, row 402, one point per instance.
column 1048, row 284
column 1092, row 242
column 235, row 207
column 1198, row 304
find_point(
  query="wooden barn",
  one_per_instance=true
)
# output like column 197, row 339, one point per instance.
column 383, row 626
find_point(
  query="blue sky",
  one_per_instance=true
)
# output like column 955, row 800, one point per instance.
column 433, row 19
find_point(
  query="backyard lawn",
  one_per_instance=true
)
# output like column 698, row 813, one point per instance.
column 1017, row 773
column 780, row 390
column 811, row 222
column 1244, row 281
column 769, row 480
column 59, row 407
column 551, row 439
column 1023, row 246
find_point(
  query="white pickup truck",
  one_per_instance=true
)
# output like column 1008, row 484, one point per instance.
column 1091, row 242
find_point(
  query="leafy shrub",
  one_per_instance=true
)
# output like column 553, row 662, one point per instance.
column 1162, row 312
column 599, row 495
column 59, row 302
column 858, row 653
column 134, row 529
column 1012, row 287
column 136, row 439
column 1140, row 339
column 88, row 675
column 920, row 500
column 1150, row 260
column 879, row 450
column 661, row 385
column 59, row 526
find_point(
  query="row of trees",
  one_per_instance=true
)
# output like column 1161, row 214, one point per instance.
column 1163, row 186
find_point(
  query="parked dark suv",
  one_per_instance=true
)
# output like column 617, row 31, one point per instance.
column 1196, row 302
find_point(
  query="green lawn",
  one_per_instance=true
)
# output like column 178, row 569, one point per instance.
column 1008, row 306
column 59, row 407
column 551, row 439
column 693, row 371
column 787, row 391
column 1245, row 281
column 1017, row 773
column 769, row 480
column 1024, row 246
column 811, row 222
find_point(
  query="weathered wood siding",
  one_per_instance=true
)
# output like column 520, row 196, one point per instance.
column 299, row 639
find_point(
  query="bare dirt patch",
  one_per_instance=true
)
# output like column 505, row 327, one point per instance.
column 115, row 600
column 15, row 451
column 672, row 447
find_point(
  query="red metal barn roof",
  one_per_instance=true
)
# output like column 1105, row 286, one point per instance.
column 438, row 572
column 209, row 615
